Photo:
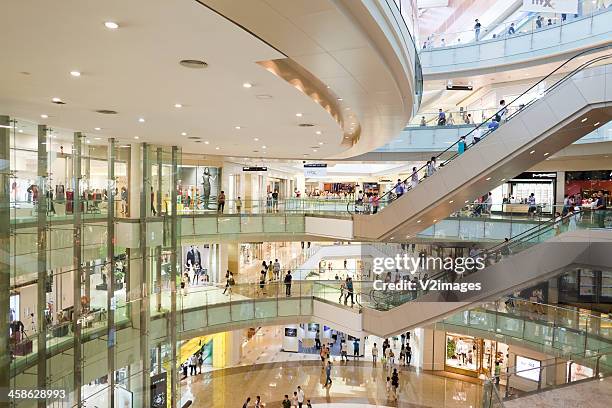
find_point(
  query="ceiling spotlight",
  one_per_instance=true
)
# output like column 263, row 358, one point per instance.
column 584, row 120
column 546, row 154
column 141, row 120
column 532, row 152
column 206, row 142
column 247, row 85
column 56, row 99
column 320, row 143
column 264, row 147
column 256, row 139
column 183, row 133
column 217, row 148
column 136, row 137
column 504, row 179
column 111, row 25
column 419, row 221
column 299, row 115
column 315, row 150
column 596, row 124
column 488, row 178
column 21, row 131
column 97, row 128
column 44, row 116
column 89, row 141
column 340, row 99
column 178, row 105
column 97, row 138
column 318, row 132
column 435, row 220
column 451, row 201
column 237, row 127
column 347, row 108
column 75, row 73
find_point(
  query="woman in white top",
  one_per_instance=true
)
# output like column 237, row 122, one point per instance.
column 414, row 179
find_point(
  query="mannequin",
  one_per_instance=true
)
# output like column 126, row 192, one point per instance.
column 207, row 180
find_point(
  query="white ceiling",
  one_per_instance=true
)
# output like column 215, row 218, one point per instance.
column 135, row 70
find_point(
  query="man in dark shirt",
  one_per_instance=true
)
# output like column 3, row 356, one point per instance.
column 600, row 208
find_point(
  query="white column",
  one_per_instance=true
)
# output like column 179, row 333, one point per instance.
column 135, row 181
column 560, row 187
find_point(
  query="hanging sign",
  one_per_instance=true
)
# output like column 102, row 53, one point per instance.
column 551, row 6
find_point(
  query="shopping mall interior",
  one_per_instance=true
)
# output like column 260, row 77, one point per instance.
column 306, row 203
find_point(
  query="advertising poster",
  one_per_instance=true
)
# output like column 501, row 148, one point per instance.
column 159, row 391
column 551, row 6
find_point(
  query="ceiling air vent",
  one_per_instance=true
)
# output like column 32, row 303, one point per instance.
column 106, row 112
column 306, row 125
column 191, row 63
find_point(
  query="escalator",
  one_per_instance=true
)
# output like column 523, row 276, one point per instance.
column 538, row 254
column 545, row 119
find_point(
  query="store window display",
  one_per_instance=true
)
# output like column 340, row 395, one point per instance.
column 474, row 356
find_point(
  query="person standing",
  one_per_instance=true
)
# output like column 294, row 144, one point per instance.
column 531, row 201
column 441, row 117
column 356, row 348
column 258, row 403
column 221, row 202
column 461, row 145
column 477, row 27
column 399, row 188
column 600, row 209
column 343, row 351
column 286, row 402
column 246, row 403
column 288, row 283
column 395, row 383
column 300, row 397
column 153, row 210
column 238, row 205
column 193, row 363
column 349, row 291
column 408, row 354
column 374, row 353
column 375, row 203
column 414, row 178
column 276, row 267
column 511, row 30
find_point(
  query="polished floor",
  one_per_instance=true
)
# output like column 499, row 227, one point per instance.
column 357, row 382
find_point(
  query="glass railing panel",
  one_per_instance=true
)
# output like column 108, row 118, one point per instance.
column 242, row 310
column 251, row 224
column 266, row 308
column 306, row 306
column 510, row 326
column 274, row 223
column 219, row 314
column 229, row 225
column 482, row 320
column 289, row 307
column 569, row 340
column 296, row 223
column 538, row 333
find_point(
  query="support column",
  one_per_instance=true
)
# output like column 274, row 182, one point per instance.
column 41, row 283
column 173, row 277
column 144, row 274
column 135, row 177
column 110, row 262
column 76, row 264
column 560, row 187
column 5, row 270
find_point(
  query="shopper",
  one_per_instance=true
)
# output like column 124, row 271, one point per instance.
column 477, row 28
column 200, row 362
column 328, row 368
column 461, row 145
column 503, row 111
column 193, row 363
column 276, row 267
column 441, row 117
column 288, row 283
column 395, row 383
column 238, row 205
column 286, row 402
column 221, row 202
column 308, row 404
column 600, row 209
column 246, row 403
column 262, row 282
column 349, row 291
column 408, row 354
column 511, row 30
column 388, row 388
column 423, row 121
column 539, row 22
column 356, row 348
column 343, row 351
column 300, row 397
column 414, row 178
column 153, row 202
column 258, row 403
column 531, row 201
column 374, row 353
column 497, row 372
column 399, row 188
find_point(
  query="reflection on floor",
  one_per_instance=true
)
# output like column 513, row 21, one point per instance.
column 357, row 382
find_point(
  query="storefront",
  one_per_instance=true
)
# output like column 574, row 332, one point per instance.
column 515, row 192
column 473, row 356
column 199, row 187
column 587, row 183
column 586, row 286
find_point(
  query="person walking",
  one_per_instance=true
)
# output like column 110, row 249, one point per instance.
column 408, row 354
column 600, row 210
column 288, row 283
column 395, row 383
column 229, row 282
column 238, row 205
column 441, row 117
column 286, row 402
column 349, row 291
column 477, row 27
column 276, row 267
column 414, row 178
column 328, row 368
column 246, row 403
column 258, row 403
column 374, row 353
column 300, row 397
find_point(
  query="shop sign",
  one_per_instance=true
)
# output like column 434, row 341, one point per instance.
column 315, row 170
column 254, row 168
column 535, row 176
column 551, row 6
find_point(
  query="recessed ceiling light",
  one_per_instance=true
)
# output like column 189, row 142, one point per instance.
column 546, row 154
column 56, row 99
column 97, row 128
column 75, row 73
column 141, row 120
column 89, row 141
column 418, row 221
column 183, row 133
column 217, row 148
column 44, row 116
column 584, row 120
column 488, row 178
column 451, row 201
column 237, row 127
column 206, row 142
column 596, row 124
column 136, row 137
column 320, row 143
column 97, row 138
column 191, row 63
column 346, row 137
column 435, row 220
column 532, row 152
column 247, row 85
column 318, row 132
column 21, row 131
column 347, row 108
column 340, row 99
column 256, row 139
column 178, row 105
column 111, row 25
column 504, row 179
column 299, row 115
column 264, row 147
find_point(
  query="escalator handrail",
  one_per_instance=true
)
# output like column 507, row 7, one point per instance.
column 557, row 83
